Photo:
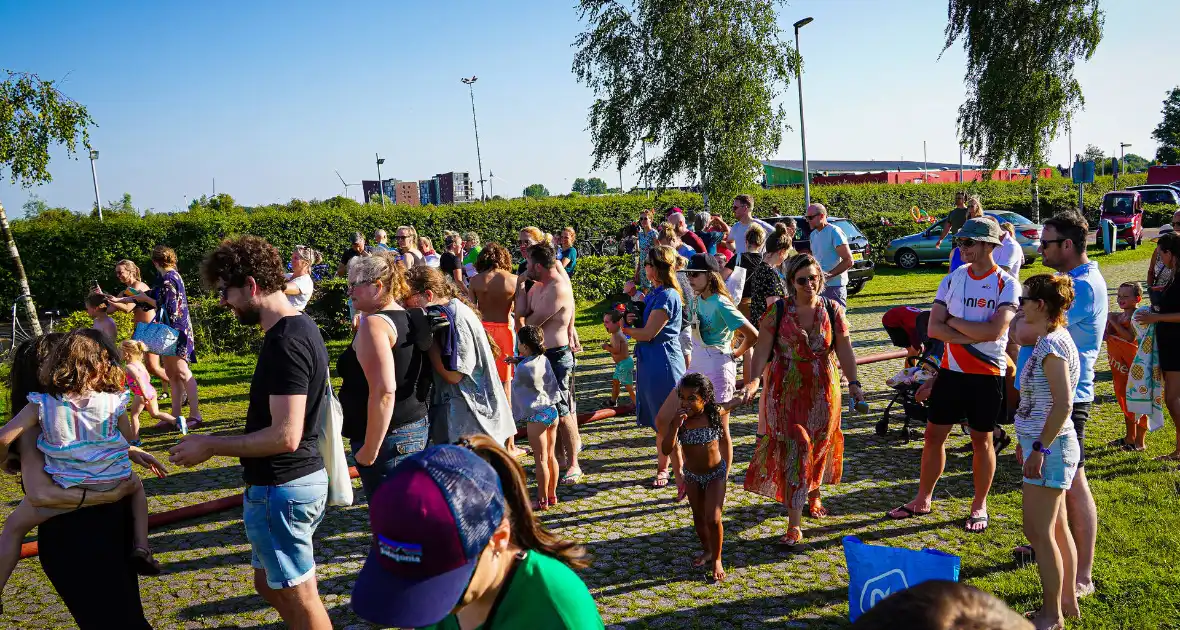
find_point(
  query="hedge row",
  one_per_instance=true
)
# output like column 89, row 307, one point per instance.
column 65, row 256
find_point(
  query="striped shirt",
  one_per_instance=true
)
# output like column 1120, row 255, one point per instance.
column 975, row 299
column 80, row 438
column 1035, row 398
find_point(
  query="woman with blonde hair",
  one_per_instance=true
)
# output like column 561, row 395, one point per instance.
column 128, row 273
column 170, row 298
column 426, row 246
column 659, row 359
column 299, row 284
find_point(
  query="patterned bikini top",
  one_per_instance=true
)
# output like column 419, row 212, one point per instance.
column 699, row 435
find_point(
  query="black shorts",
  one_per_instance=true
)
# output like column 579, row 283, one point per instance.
column 977, row 399
column 1081, row 415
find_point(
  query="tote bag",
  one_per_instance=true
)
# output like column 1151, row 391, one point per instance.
column 331, row 446
column 877, row 571
column 160, row 338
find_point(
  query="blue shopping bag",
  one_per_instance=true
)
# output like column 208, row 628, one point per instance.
column 877, row 571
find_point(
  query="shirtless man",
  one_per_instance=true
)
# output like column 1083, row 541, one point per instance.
column 550, row 305
column 493, row 288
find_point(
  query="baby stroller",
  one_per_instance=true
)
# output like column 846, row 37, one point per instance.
column 907, row 328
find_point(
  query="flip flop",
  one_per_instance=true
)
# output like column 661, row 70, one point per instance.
column 660, row 482
column 569, row 479
column 907, row 511
column 975, row 520
column 144, row 563
column 1170, row 457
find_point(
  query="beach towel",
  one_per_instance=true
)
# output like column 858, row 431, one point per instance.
column 1145, row 383
column 1121, row 354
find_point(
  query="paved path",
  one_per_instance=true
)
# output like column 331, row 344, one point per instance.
column 639, row 538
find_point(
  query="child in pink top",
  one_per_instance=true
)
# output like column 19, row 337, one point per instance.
column 140, row 384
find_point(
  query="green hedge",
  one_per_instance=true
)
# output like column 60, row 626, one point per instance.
column 64, row 256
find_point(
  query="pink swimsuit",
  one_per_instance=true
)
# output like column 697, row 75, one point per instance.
column 135, row 375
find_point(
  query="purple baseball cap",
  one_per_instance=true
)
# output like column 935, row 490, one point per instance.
column 430, row 521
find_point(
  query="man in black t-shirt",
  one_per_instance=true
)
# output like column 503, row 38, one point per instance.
column 286, row 484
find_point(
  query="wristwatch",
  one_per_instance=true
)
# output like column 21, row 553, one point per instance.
column 854, row 382
column 1037, row 447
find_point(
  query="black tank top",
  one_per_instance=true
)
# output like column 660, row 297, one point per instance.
column 409, row 363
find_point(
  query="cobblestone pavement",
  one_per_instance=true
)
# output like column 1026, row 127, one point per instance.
column 639, row 538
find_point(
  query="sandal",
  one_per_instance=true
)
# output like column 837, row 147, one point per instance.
column 907, row 512
column 144, row 563
column 193, row 422
column 661, row 479
column 1024, row 554
column 1170, row 457
column 815, row 509
column 569, row 479
column 552, row 501
column 1000, row 443
column 792, row 538
column 1131, row 448
column 976, row 520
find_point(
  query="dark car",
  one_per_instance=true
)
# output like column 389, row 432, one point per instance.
column 862, row 266
column 1158, row 194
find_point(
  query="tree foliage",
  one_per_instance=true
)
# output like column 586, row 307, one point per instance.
column 700, row 78
column 595, row 186
column 34, row 116
column 1020, row 74
column 536, row 191
column 579, row 186
column 221, row 203
column 1094, row 152
column 1167, row 133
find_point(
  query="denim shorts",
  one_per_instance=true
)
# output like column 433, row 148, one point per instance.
column 400, row 443
column 280, row 521
column 837, row 293
column 1060, row 465
column 561, row 359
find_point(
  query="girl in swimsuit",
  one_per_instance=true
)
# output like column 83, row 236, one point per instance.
column 701, row 426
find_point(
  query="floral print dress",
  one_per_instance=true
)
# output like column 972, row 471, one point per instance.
column 803, row 446
column 172, row 309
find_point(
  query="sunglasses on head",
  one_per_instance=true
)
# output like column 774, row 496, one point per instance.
column 805, row 280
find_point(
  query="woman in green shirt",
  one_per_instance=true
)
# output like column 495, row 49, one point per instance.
column 474, row 556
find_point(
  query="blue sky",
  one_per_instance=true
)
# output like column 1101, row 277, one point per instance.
column 269, row 98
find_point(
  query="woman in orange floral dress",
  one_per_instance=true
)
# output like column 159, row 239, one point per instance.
column 803, row 446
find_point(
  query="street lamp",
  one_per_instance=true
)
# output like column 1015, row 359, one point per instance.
column 94, row 176
column 802, row 129
column 1122, row 156
column 380, row 161
column 478, row 159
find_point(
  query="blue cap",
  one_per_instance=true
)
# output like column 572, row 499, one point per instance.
column 430, row 521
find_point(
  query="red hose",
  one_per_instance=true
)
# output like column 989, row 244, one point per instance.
column 601, row 414
column 884, row 356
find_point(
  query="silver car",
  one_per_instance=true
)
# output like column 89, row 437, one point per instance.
column 913, row 250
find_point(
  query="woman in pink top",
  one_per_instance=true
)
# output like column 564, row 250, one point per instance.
column 140, row 385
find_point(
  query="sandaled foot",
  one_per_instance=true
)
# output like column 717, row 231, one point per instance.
column 144, row 563
column 1119, row 442
column 540, row 505
column 661, row 479
column 718, row 571
column 815, row 508
column 552, row 501
column 517, row 453
column 793, row 538
column 571, row 477
column 194, row 422
column 1170, row 457
column 976, row 523
column 906, row 511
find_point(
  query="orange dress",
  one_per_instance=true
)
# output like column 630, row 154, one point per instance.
column 803, row 446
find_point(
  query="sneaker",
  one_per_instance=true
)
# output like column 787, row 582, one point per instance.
column 614, row 402
column 182, row 424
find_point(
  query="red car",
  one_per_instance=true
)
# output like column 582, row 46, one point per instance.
column 1124, row 208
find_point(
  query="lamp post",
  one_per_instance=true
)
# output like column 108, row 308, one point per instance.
column 94, row 176
column 478, row 159
column 380, row 188
column 802, row 129
column 1122, row 156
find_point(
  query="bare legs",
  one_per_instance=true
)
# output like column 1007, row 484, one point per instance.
column 299, row 606
column 154, row 368
column 934, row 461
column 1047, row 528
column 1172, row 401
column 544, row 442
column 1083, row 526
column 707, row 504
column 182, row 381
column 569, row 442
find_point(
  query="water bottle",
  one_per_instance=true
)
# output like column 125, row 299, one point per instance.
column 182, row 424
column 857, row 406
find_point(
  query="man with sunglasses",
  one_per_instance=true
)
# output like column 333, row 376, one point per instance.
column 972, row 311
column 830, row 248
column 407, row 244
column 1063, row 247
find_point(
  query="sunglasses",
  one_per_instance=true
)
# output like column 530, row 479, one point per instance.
column 359, row 283
column 1176, row 224
column 1025, row 300
column 813, row 216
column 964, row 243
column 402, row 237
column 805, row 280
column 695, row 274
column 1050, row 241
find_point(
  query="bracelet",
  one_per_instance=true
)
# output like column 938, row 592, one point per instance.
column 79, row 506
column 854, row 382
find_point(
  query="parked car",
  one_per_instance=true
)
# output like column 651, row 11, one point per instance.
column 862, row 266
column 1124, row 208
column 910, row 251
column 1159, row 193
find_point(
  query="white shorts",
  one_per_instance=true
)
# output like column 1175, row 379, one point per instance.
column 719, row 367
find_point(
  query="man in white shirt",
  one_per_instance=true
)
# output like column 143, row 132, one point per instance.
column 829, row 246
column 743, row 209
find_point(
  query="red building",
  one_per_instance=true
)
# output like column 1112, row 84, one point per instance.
column 790, row 172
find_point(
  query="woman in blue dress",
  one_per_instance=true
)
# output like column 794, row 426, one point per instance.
column 659, row 360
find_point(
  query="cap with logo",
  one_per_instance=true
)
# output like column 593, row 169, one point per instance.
column 430, row 521
column 981, row 229
column 703, row 262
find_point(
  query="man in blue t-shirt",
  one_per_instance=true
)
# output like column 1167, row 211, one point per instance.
column 830, row 248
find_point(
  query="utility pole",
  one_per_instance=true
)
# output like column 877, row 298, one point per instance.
column 960, row 163
column 492, row 183
column 925, row 170
column 380, row 187
column 470, row 83
column 94, row 176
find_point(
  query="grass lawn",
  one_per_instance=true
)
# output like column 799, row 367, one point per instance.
column 640, row 539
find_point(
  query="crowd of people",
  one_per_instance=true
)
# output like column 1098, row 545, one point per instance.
column 454, row 352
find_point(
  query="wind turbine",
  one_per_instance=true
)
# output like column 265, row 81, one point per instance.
column 346, row 184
